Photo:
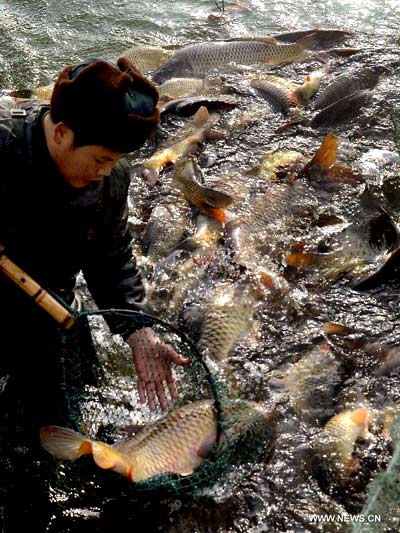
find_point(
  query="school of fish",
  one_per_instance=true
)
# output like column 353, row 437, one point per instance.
column 262, row 212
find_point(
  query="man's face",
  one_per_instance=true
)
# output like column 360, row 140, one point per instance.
column 81, row 165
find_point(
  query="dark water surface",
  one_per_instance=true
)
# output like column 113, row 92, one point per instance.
column 38, row 38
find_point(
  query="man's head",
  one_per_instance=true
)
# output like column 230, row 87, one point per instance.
column 99, row 111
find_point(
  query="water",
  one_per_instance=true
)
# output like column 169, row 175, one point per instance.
column 37, row 39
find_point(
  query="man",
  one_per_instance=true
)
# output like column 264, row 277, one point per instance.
column 63, row 208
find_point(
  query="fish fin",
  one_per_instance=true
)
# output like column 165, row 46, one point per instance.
column 326, row 153
column 304, row 260
column 343, row 52
column 333, row 328
column 267, row 280
column 343, row 174
column 360, row 416
column 215, row 135
column 109, row 458
column 309, row 40
column 64, row 443
column 270, row 40
column 296, row 96
column 216, row 198
column 351, row 466
column 218, row 214
column 131, row 429
column 190, row 141
column 206, row 446
column 290, row 124
column 184, row 472
column 385, row 274
column 201, row 117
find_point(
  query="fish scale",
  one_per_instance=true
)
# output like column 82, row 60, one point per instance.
column 160, row 448
column 206, row 56
column 198, row 59
column 342, row 110
column 228, row 316
column 178, row 443
column 165, row 227
column 349, row 83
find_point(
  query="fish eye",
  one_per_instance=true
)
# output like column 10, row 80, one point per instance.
column 163, row 293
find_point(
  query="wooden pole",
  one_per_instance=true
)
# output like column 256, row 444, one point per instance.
column 36, row 292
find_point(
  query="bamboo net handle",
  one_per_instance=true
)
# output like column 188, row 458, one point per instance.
column 35, row 291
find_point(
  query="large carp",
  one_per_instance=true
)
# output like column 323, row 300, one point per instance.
column 197, row 60
column 177, row 443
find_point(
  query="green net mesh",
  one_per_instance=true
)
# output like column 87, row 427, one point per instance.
column 383, row 499
column 111, row 411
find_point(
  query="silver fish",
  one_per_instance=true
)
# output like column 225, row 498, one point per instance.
column 197, row 60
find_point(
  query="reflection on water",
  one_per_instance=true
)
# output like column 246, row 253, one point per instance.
column 38, row 38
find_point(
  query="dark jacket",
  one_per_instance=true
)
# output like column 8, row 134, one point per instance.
column 52, row 230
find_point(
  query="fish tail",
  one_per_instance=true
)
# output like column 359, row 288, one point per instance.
column 218, row 214
column 267, row 280
column 333, row 328
column 201, row 117
column 327, row 152
column 109, row 458
column 307, row 41
column 64, row 443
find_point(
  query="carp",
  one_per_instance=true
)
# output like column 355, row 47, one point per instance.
column 204, row 198
column 198, row 59
column 192, row 135
column 177, row 443
column 349, row 83
column 228, row 316
column 342, row 110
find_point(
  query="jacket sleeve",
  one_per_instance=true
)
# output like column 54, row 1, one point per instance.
column 110, row 270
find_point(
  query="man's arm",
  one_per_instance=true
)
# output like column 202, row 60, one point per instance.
column 114, row 282
column 110, row 270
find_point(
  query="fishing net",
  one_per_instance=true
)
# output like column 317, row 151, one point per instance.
column 382, row 506
column 106, row 411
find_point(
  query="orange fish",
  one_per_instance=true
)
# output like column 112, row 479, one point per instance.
column 177, row 443
column 192, row 135
column 211, row 201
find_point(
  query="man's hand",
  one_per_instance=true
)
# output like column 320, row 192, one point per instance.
column 153, row 359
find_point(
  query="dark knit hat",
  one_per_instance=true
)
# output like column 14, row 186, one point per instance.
column 106, row 104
